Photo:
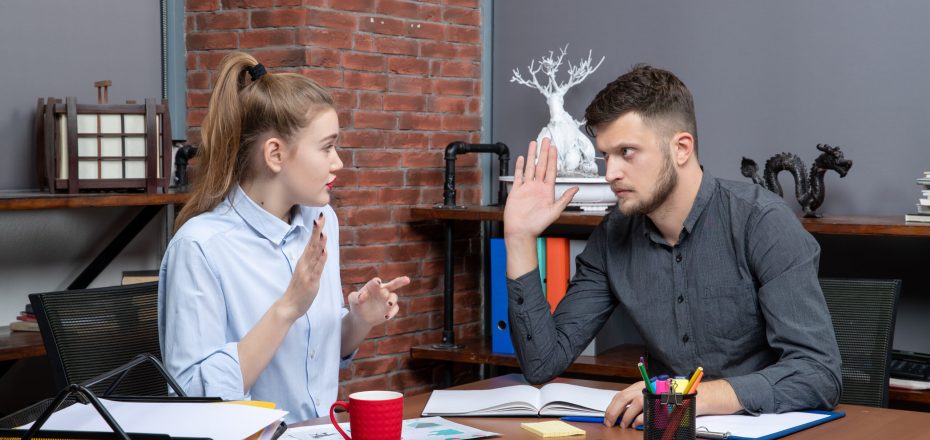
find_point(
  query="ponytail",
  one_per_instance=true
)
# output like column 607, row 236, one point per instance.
column 241, row 111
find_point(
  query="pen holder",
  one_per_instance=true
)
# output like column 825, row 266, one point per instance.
column 669, row 416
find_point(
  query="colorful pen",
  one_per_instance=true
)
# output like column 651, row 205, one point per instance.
column 583, row 419
column 694, row 377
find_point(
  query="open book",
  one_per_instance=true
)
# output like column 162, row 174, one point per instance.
column 554, row 399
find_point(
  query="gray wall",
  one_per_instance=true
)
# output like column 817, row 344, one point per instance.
column 59, row 48
column 767, row 76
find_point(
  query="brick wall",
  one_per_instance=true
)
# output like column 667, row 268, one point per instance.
column 405, row 75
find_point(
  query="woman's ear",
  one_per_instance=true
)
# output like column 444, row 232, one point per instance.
column 273, row 153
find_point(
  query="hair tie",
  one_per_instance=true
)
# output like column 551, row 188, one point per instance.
column 256, row 71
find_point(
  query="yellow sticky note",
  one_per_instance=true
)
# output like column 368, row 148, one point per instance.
column 552, row 428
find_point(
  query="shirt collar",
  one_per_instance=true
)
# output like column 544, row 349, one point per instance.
column 705, row 193
column 267, row 225
column 701, row 200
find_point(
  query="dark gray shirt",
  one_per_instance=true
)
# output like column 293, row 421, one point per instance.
column 738, row 295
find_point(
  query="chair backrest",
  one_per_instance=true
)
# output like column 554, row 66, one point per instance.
column 91, row 331
column 863, row 313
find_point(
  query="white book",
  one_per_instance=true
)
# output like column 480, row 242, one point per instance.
column 919, row 218
column 923, row 208
column 924, row 202
column 552, row 400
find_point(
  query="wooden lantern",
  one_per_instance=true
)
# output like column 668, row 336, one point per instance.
column 103, row 146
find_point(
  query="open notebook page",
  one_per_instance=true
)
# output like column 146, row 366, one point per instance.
column 563, row 399
column 516, row 400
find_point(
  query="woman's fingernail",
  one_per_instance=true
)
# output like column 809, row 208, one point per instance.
column 321, row 215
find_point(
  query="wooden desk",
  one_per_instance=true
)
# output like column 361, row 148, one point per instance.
column 861, row 422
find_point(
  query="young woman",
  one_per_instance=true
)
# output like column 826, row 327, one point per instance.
column 250, row 301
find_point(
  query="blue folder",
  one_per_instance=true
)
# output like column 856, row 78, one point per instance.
column 832, row 415
column 500, row 323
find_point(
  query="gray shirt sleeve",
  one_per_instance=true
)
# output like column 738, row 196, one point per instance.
column 546, row 344
column 784, row 258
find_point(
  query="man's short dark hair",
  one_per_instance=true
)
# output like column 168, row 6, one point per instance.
column 657, row 95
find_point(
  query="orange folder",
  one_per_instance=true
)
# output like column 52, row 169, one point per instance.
column 557, row 270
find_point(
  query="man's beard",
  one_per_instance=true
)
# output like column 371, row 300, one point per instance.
column 666, row 183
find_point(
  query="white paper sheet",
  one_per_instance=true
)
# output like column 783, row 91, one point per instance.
column 753, row 426
column 219, row 421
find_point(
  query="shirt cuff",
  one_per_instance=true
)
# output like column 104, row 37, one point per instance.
column 222, row 375
column 526, row 293
column 347, row 361
column 754, row 393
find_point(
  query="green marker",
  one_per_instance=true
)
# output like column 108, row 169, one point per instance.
column 642, row 370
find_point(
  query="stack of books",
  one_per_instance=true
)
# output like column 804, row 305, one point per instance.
column 923, row 203
column 25, row 321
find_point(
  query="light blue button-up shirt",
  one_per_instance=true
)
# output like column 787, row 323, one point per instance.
column 221, row 272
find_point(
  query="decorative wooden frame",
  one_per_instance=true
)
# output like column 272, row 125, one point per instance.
column 129, row 147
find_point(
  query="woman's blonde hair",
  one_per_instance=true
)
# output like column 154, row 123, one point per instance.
column 241, row 112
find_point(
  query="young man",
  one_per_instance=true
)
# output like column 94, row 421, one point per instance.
column 713, row 273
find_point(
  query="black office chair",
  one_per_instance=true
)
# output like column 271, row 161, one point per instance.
column 863, row 313
column 91, row 331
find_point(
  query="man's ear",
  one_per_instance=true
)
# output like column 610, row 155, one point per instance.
column 273, row 153
column 682, row 147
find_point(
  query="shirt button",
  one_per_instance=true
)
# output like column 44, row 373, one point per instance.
column 681, row 299
column 685, row 338
column 520, row 300
column 678, row 258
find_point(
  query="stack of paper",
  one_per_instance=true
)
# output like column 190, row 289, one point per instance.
column 177, row 419
column 552, row 428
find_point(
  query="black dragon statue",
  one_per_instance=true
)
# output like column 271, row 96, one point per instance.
column 808, row 188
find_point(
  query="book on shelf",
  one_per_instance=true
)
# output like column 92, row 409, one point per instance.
column 923, row 202
column 916, row 217
column 139, row 276
column 554, row 399
column 24, row 326
column 923, row 209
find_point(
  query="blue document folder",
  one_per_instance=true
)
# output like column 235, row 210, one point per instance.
column 500, row 323
column 779, row 425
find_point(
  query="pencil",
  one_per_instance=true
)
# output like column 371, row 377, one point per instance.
column 697, row 381
column 693, row 378
column 642, row 371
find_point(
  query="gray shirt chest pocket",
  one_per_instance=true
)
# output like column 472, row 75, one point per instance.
column 730, row 312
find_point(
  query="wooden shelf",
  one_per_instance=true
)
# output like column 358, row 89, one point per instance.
column 830, row 225
column 619, row 362
column 22, row 200
column 18, row 345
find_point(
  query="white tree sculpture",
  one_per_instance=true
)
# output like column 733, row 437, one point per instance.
column 576, row 154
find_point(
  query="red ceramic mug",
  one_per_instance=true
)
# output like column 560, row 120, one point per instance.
column 373, row 415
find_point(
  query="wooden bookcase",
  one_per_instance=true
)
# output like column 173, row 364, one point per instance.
column 20, row 345
column 619, row 362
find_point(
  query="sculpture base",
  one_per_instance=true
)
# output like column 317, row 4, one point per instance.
column 593, row 194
